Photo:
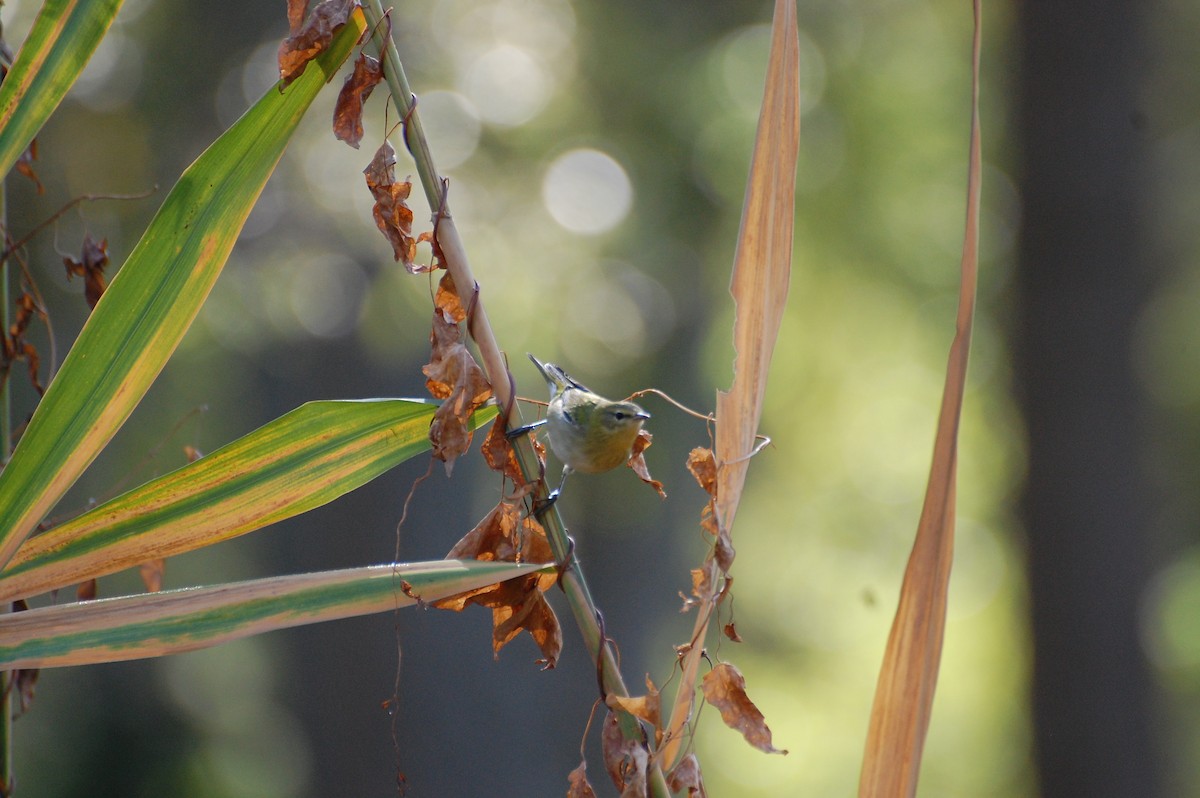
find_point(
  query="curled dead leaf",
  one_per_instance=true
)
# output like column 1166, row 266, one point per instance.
column 312, row 37
column 453, row 376
column 517, row 604
column 579, row 785
column 392, row 215
column 626, row 760
column 348, row 111
column 725, row 688
column 644, row 707
column 686, row 776
column 638, row 462
column 703, row 467
column 24, row 165
column 497, row 450
column 90, row 267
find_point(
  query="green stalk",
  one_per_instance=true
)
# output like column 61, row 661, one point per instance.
column 574, row 586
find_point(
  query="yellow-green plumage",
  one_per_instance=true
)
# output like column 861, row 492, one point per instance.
column 587, row 432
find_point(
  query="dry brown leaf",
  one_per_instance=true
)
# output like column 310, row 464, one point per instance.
column 725, row 688
column 90, row 267
column 453, row 376
column 646, row 707
column 626, row 760
column 703, row 466
column 686, row 776
column 13, row 342
column 296, row 11
column 348, row 111
column 518, row 604
column 24, row 165
column 392, row 215
column 638, row 462
column 731, row 632
column 312, row 37
column 447, row 300
column 908, row 677
column 579, row 785
column 498, row 452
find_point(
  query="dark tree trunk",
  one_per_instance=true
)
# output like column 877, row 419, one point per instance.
column 1083, row 277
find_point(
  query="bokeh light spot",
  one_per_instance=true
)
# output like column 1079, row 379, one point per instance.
column 587, row 192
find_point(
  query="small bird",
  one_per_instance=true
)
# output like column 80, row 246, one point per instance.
column 589, row 433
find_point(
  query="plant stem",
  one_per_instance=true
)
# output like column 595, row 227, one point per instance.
column 574, row 586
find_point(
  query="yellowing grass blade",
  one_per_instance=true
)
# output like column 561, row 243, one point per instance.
column 301, row 460
column 59, row 44
column 152, row 301
column 761, row 271
column 174, row 621
column 908, row 677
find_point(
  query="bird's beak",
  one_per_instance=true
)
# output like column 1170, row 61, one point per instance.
column 642, row 415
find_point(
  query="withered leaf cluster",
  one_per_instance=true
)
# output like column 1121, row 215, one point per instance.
column 392, row 215
column 703, row 466
column 453, row 376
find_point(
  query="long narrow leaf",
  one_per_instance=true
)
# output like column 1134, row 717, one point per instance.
column 59, row 44
column 152, row 301
column 761, row 272
column 302, row 460
column 174, row 621
column 908, row 676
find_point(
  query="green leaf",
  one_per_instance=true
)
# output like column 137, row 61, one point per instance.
column 302, row 460
column 173, row 621
column 63, row 38
column 152, row 301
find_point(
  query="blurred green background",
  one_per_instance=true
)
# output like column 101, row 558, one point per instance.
column 597, row 154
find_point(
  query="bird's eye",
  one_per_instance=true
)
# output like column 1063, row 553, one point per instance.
column 619, row 415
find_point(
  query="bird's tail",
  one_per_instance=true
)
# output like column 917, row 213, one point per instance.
column 555, row 377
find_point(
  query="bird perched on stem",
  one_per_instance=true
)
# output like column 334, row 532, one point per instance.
column 589, row 433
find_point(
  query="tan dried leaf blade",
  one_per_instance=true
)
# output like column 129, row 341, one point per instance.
column 626, row 760
column 347, row 113
column 638, row 462
column 311, row 38
column 90, row 267
column 453, row 376
column 392, row 215
column 517, row 604
column 686, row 776
column 908, row 676
column 725, row 688
column 579, row 785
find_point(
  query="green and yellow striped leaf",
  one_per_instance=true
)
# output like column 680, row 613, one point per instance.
column 59, row 44
column 174, row 621
column 299, row 461
column 152, row 301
